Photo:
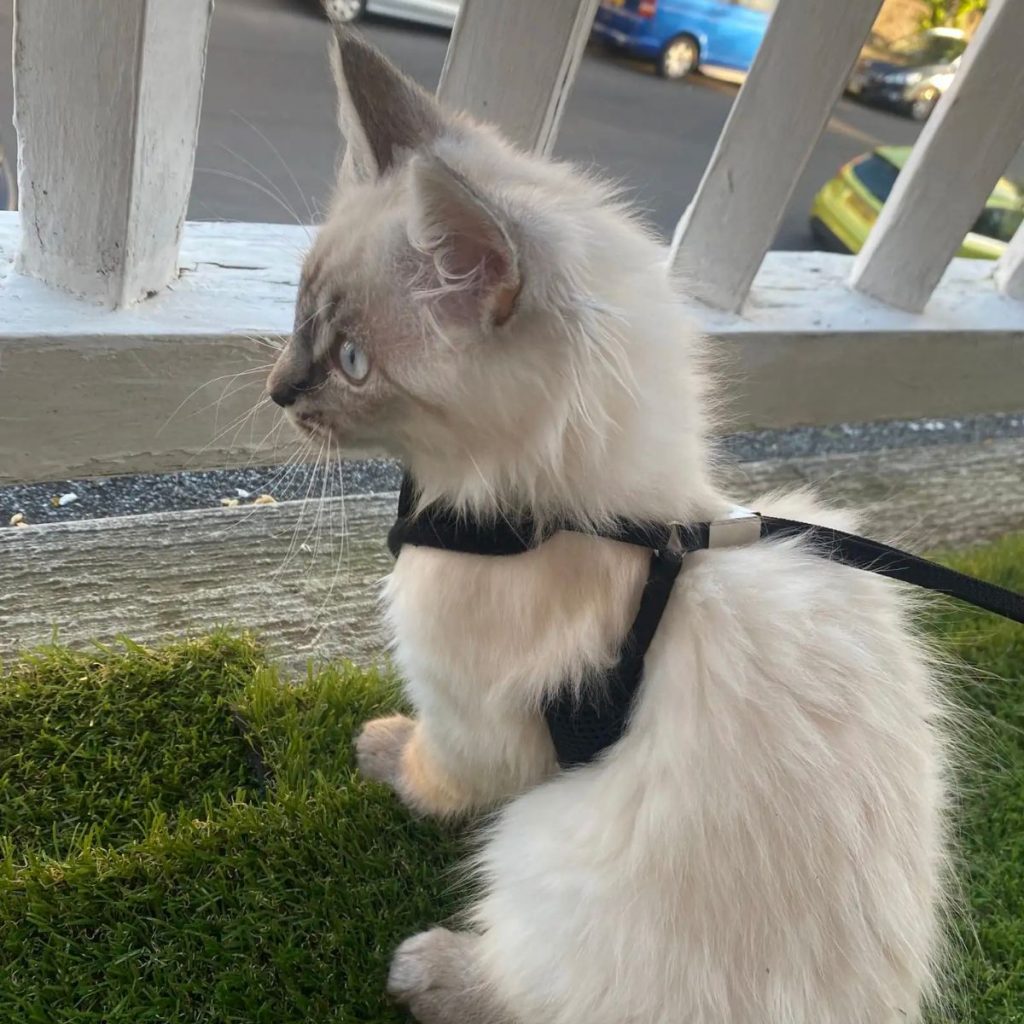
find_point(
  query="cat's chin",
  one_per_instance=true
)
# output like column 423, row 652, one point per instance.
column 345, row 447
column 315, row 430
column 351, row 449
column 310, row 425
column 339, row 445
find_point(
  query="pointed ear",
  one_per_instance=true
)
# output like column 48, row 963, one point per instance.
column 383, row 115
column 476, row 272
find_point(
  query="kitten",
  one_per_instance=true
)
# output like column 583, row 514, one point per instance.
column 766, row 843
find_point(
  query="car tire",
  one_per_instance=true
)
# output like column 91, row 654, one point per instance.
column 679, row 57
column 345, row 12
column 923, row 103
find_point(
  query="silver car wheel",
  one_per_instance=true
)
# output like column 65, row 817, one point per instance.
column 679, row 58
column 924, row 104
column 344, row 11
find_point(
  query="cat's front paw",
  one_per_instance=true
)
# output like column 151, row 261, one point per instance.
column 379, row 748
column 436, row 975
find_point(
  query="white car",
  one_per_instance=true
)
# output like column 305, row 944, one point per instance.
column 430, row 12
column 8, row 184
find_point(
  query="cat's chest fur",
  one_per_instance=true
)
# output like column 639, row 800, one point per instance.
column 527, row 622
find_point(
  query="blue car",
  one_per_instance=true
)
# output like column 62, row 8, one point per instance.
column 683, row 35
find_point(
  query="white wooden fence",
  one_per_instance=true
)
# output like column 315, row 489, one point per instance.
column 116, row 310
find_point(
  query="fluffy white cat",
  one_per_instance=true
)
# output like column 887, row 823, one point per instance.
column 766, row 844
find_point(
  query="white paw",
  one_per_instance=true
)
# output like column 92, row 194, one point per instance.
column 411, row 966
column 379, row 748
column 436, row 976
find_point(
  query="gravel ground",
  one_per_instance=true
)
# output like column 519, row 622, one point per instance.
column 847, row 438
column 132, row 495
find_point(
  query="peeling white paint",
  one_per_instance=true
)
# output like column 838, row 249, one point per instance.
column 107, row 98
column 513, row 64
column 800, row 71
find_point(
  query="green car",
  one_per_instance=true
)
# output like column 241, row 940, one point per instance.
column 846, row 208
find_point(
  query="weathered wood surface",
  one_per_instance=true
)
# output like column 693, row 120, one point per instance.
column 107, row 96
column 927, row 497
column 166, row 385
column 808, row 350
column 513, row 64
column 310, row 586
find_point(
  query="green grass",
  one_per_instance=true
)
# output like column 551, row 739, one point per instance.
column 93, row 748
column 184, row 839
column 147, row 876
column 989, row 983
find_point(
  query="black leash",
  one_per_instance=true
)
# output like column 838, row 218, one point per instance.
column 873, row 556
column 583, row 725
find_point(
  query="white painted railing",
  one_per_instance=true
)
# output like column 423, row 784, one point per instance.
column 804, row 64
column 544, row 40
column 107, row 94
column 964, row 148
column 1010, row 272
column 107, row 98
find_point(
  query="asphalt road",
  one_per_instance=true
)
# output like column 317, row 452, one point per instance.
column 268, row 113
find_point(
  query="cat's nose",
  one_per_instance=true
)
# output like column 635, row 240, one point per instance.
column 284, row 394
column 292, row 375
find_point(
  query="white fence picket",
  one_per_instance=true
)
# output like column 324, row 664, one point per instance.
column 107, row 96
column 107, row 107
column 512, row 64
column 964, row 148
column 803, row 65
column 1010, row 270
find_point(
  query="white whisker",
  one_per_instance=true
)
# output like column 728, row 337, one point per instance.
column 271, row 184
column 283, row 163
column 215, row 380
column 256, row 185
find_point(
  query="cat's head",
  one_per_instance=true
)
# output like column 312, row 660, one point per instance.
column 466, row 306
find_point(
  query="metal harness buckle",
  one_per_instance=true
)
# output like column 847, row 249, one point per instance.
column 741, row 526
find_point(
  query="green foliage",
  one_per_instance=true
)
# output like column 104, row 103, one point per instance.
column 183, row 838
column 956, row 13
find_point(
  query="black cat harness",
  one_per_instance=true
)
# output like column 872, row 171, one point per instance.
column 581, row 728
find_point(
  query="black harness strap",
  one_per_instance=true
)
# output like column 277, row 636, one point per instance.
column 583, row 725
column 443, row 528
column 440, row 527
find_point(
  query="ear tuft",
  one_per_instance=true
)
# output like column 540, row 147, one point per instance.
column 384, row 115
column 476, row 273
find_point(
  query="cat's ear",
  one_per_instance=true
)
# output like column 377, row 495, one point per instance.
column 475, row 262
column 384, row 115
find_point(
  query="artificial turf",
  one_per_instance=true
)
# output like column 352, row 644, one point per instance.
column 183, row 838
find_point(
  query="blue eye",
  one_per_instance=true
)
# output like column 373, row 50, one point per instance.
column 354, row 362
